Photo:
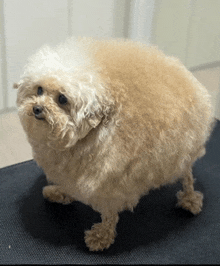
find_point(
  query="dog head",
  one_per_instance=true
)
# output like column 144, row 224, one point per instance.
column 60, row 111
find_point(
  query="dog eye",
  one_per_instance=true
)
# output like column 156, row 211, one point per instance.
column 62, row 99
column 39, row 91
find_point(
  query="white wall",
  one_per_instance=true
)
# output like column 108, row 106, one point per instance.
column 188, row 29
column 1, row 57
column 170, row 26
column 141, row 19
column 98, row 13
column 28, row 24
column 204, row 33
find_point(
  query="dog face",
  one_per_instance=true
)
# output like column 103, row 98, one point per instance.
column 57, row 114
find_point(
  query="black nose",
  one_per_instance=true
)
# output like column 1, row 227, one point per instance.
column 37, row 109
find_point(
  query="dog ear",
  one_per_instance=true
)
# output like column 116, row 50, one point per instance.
column 16, row 85
column 92, row 111
column 87, row 118
column 94, row 119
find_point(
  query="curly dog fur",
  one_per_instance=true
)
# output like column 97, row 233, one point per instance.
column 109, row 120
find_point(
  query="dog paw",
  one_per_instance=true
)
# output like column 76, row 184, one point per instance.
column 53, row 194
column 99, row 237
column 192, row 202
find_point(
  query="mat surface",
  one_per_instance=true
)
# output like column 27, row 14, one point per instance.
column 33, row 230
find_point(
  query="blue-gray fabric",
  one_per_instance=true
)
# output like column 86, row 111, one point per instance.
column 32, row 230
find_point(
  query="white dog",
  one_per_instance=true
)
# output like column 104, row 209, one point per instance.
column 109, row 120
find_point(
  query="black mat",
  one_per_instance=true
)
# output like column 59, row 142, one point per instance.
column 33, row 230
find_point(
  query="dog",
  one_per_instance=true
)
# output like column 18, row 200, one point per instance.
column 110, row 120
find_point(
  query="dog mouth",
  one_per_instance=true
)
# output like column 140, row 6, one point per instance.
column 39, row 118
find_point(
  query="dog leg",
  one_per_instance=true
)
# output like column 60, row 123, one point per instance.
column 190, row 199
column 53, row 193
column 102, row 235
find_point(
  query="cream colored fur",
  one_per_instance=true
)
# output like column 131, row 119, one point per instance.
column 135, row 120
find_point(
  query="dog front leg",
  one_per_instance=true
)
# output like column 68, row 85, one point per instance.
column 54, row 193
column 103, row 234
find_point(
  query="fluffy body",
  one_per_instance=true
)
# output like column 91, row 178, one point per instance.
column 135, row 120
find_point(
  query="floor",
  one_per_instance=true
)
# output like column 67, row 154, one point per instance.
column 14, row 147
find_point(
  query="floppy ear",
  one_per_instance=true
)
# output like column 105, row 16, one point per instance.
column 16, row 85
column 91, row 109
column 93, row 119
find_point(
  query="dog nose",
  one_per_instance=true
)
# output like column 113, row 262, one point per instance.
column 37, row 109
